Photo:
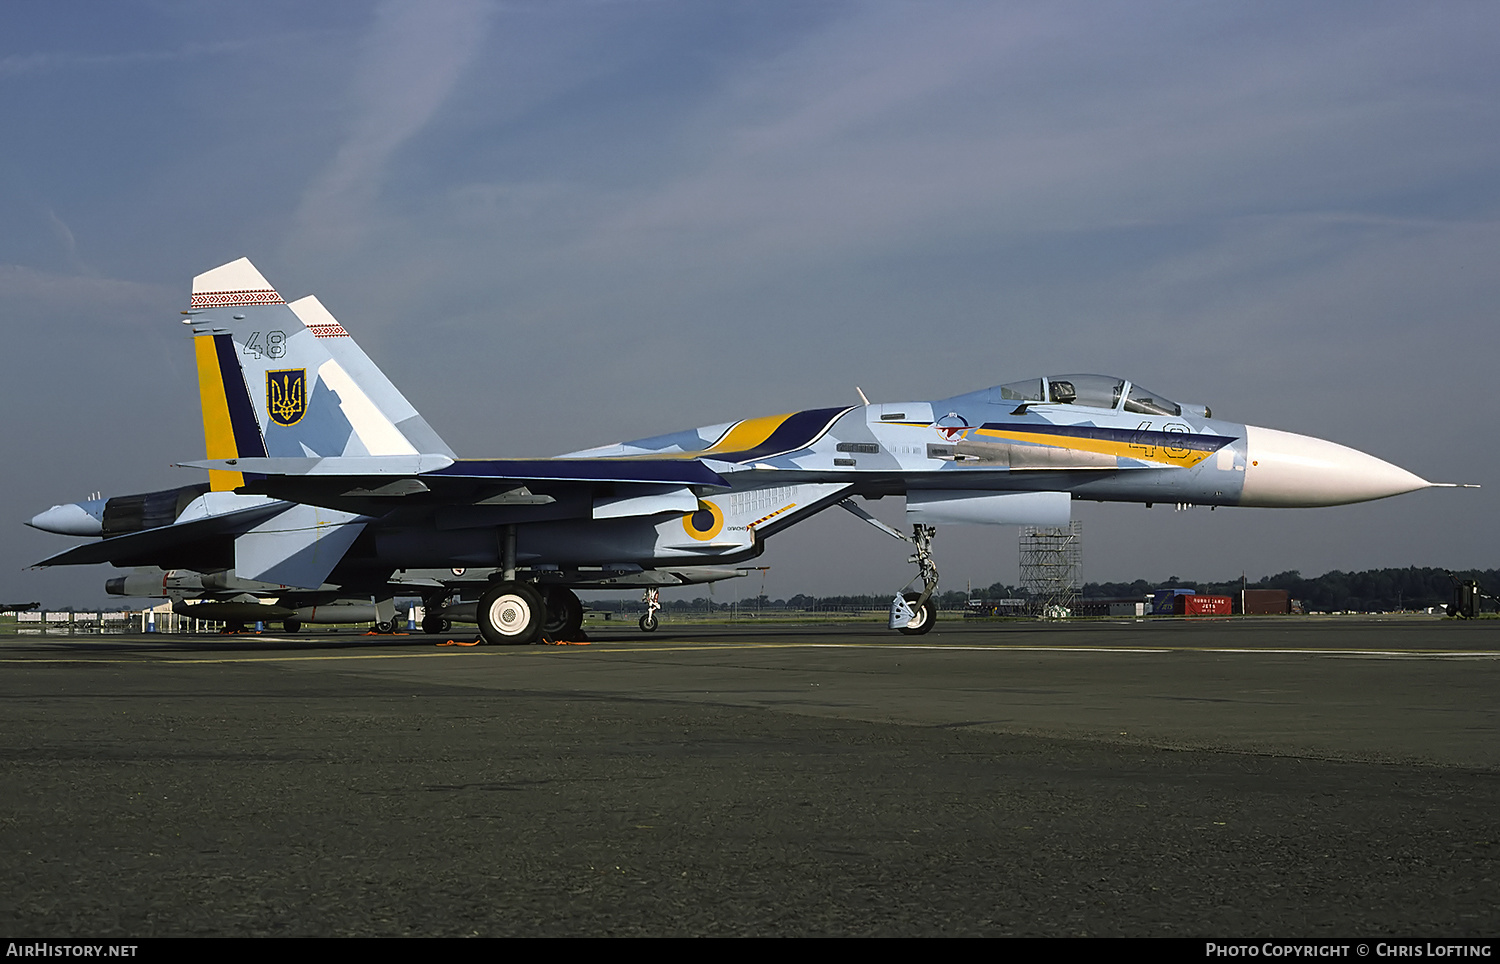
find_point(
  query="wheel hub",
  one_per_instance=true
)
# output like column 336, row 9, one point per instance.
column 511, row 615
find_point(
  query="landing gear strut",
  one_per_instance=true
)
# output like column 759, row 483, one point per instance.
column 912, row 613
column 652, row 598
column 511, row 613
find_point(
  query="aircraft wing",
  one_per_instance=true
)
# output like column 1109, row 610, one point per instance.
column 497, row 488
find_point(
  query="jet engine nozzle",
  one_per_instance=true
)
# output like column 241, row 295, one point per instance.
column 1283, row 469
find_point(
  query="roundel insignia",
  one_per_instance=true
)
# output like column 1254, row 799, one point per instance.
column 953, row 427
column 704, row 524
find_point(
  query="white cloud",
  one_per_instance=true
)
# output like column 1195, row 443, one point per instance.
column 412, row 58
column 44, row 296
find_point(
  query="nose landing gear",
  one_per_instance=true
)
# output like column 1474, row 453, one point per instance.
column 912, row 613
column 652, row 598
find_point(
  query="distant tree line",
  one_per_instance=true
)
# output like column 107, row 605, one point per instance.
column 1374, row 590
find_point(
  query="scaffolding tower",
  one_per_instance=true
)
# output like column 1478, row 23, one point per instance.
column 1052, row 567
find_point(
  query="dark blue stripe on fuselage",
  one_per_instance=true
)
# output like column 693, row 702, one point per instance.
column 247, row 439
column 1130, row 436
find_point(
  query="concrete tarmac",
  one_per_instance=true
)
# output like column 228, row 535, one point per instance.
column 1278, row 778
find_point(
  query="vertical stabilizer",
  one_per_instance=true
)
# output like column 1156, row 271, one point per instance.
column 383, row 417
column 287, row 380
column 233, row 285
column 230, row 427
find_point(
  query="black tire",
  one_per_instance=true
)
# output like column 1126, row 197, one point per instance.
column 435, row 625
column 649, row 623
column 511, row 614
column 386, row 627
column 564, row 615
column 292, row 625
column 925, row 616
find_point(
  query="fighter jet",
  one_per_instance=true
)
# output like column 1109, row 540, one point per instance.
column 321, row 475
column 196, row 545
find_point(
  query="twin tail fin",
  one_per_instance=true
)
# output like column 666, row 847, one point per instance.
column 286, row 380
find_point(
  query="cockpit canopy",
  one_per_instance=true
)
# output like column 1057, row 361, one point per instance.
column 1092, row 391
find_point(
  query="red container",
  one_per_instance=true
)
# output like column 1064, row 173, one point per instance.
column 1267, row 602
column 1204, row 606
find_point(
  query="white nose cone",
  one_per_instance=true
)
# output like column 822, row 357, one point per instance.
column 1283, row 469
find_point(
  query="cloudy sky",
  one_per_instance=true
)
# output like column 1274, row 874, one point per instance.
column 559, row 224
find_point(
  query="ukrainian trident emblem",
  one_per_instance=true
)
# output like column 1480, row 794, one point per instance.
column 286, row 395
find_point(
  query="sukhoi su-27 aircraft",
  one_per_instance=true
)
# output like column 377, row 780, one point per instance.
column 322, row 477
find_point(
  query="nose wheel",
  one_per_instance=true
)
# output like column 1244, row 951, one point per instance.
column 916, row 617
column 912, row 613
column 652, row 598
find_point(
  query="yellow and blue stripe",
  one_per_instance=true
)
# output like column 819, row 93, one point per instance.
column 755, row 439
column 230, row 430
column 1147, row 445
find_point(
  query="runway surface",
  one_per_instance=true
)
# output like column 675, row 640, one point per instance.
column 1277, row 777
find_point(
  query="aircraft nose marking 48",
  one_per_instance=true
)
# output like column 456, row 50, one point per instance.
column 328, row 490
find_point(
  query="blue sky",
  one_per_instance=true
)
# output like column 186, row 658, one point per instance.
column 562, row 224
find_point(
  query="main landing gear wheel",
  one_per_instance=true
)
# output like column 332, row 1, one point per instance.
column 925, row 615
column 648, row 623
column 291, row 625
column 435, row 625
column 511, row 614
column 564, row 615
